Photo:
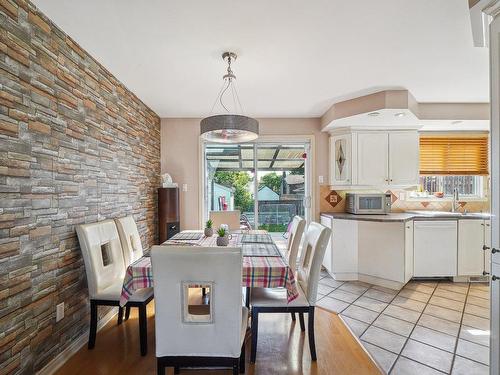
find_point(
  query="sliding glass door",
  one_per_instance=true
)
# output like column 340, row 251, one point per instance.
column 267, row 182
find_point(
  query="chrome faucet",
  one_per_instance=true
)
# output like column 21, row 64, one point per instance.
column 455, row 204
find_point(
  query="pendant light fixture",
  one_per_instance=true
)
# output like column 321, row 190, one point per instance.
column 229, row 127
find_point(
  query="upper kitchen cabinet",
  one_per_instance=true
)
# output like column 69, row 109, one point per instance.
column 373, row 158
column 403, row 158
column 341, row 159
column 379, row 159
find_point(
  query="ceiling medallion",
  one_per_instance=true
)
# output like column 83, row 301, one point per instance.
column 229, row 127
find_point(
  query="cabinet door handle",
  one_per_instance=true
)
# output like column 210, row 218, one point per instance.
column 485, row 247
column 494, row 278
column 486, row 273
column 493, row 251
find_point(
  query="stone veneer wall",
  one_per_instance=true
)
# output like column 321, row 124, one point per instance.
column 75, row 146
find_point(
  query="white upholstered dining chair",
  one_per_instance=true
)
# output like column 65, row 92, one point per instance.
column 184, row 337
column 130, row 239
column 293, row 243
column 231, row 218
column 105, row 268
column 274, row 301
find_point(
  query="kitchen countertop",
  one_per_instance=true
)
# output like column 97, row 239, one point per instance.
column 406, row 216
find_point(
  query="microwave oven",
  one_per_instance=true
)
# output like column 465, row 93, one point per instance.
column 368, row 203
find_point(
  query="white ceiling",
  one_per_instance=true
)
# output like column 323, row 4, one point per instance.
column 296, row 57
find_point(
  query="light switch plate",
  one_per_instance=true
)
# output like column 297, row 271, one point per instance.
column 184, row 187
column 59, row 311
column 320, row 179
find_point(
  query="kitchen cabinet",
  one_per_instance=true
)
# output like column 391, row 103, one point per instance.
column 327, row 259
column 471, row 255
column 341, row 159
column 383, row 253
column 435, row 248
column 408, row 251
column 373, row 158
column 403, row 158
column 344, row 249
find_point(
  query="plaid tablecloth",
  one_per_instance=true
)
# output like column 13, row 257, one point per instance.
column 262, row 272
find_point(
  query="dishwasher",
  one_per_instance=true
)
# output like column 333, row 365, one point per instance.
column 435, row 248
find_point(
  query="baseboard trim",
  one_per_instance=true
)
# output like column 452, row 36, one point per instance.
column 56, row 363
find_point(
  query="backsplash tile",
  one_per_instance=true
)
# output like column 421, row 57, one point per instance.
column 398, row 205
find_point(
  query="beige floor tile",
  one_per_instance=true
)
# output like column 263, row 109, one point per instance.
column 477, row 310
column 379, row 295
column 401, row 313
column 470, row 350
column 475, row 335
column 370, row 304
column 384, row 339
column 441, row 312
column 356, row 326
column 438, row 324
column 454, row 287
column 332, row 304
column 389, row 323
column 434, row 338
column 353, row 288
column 413, row 294
column 460, row 297
column 479, row 293
column 408, row 303
column 384, row 358
column 464, row 366
column 419, row 288
column 360, row 313
column 405, row 366
column 344, row 296
column 476, row 322
column 478, row 301
column 433, row 357
column 446, row 303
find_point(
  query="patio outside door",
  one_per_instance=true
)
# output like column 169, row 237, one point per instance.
column 268, row 182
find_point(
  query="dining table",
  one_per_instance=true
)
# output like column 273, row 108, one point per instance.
column 258, row 271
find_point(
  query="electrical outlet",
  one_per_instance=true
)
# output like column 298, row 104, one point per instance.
column 321, row 180
column 59, row 311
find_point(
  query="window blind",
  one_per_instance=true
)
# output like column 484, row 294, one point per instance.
column 454, row 155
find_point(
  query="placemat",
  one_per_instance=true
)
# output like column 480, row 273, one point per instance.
column 187, row 236
column 260, row 250
column 257, row 238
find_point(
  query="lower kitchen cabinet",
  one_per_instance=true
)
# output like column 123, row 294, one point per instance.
column 435, row 248
column 471, row 256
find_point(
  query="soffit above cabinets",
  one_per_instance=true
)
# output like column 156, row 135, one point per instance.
column 398, row 109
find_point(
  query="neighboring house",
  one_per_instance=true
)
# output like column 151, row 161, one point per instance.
column 267, row 194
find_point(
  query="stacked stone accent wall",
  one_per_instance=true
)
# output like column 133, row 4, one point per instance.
column 75, row 147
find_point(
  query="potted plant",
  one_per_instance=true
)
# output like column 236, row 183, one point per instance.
column 209, row 231
column 223, row 239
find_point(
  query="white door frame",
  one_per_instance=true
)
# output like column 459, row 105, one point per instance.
column 494, row 10
column 310, row 169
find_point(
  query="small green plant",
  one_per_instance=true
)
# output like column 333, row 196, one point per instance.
column 221, row 232
column 209, row 224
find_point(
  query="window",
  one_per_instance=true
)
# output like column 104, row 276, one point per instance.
column 449, row 162
column 468, row 186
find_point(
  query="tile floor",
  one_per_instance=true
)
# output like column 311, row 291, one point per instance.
column 428, row 327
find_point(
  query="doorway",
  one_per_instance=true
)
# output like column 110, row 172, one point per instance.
column 268, row 182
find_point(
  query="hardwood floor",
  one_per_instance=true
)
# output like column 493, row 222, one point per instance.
column 282, row 349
